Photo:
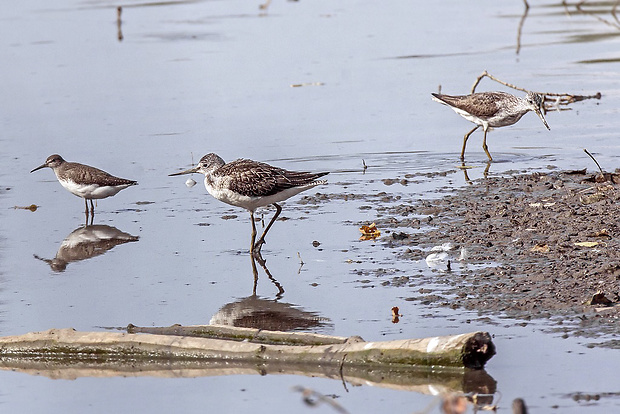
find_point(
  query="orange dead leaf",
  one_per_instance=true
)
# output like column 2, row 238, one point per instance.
column 369, row 232
column 395, row 314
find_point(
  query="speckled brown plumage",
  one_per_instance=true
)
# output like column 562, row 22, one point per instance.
column 482, row 105
column 81, row 173
column 85, row 174
column 257, row 179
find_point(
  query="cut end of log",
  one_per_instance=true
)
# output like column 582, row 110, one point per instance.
column 478, row 350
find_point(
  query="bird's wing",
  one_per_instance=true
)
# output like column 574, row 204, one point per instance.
column 478, row 104
column 86, row 174
column 253, row 178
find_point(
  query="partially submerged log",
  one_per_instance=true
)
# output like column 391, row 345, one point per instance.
column 470, row 350
column 233, row 333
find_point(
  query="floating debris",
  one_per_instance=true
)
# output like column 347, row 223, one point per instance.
column 396, row 315
column 440, row 258
column 369, row 232
column 31, row 207
column 437, row 260
column 299, row 85
column 445, row 247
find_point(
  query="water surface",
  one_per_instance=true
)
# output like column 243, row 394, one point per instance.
column 192, row 77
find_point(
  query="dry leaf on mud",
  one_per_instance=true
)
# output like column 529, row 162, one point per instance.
column 369, row 232
column 549, row 204
column 603, row 178
column 540, row 248
column 600, row 233
column 589, row 244
column 592, row 198
column 599, row 298
column 576, row 172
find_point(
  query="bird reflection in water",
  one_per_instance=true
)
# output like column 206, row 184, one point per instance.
column 269, row 314
column 85, row 243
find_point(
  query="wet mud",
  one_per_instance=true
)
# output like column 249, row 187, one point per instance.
column 522, row 246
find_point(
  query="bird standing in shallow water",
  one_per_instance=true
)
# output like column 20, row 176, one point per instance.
column 85, row 181
column 492, row 110
column 252, row 184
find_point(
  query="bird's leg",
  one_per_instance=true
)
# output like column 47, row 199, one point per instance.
column 486, row 170
column 464, row 169
column 484, row 146
column 86, row 204
column 253, row 232
column 92, row 211
column 465, row 138
column 254, row 272
column 261, row 241
column 263, row 263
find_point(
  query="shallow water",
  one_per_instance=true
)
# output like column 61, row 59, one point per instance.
column 192, row 77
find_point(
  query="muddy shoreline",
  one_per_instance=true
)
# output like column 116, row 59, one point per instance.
column 524, row 246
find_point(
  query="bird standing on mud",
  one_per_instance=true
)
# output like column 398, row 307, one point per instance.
column 492, row 110
column 252, row 184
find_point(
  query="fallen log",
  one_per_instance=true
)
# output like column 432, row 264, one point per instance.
column 233, row 333
column 470, row 350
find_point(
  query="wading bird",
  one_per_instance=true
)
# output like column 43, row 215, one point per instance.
column 251, row 184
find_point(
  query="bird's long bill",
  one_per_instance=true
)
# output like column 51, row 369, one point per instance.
column 190, row 171
column 39, row 167
column 542, row 118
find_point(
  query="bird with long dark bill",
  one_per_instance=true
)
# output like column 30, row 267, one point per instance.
column 251, row 184
column 492, row 110
column 85, row 181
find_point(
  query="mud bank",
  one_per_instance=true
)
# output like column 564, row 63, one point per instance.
column 538, row 245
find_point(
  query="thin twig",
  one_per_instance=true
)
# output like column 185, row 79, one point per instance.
column 579, row 5
column 594, row 159
column 344, row 383
column 566, row 8
column 561, row 98
column 119, row 23
column 613, row 11
column 301, row 263
column 521, row 22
